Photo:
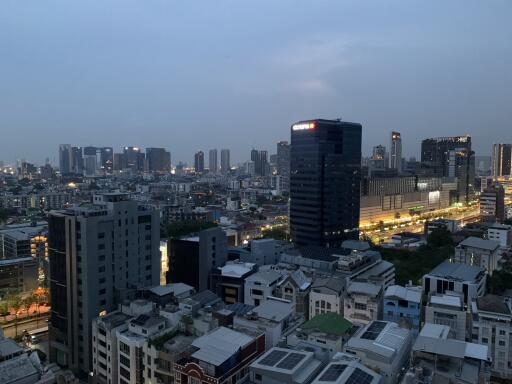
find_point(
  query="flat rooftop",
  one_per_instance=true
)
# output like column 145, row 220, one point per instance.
column 457, row 271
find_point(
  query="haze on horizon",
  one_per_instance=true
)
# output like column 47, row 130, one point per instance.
column 191, row 75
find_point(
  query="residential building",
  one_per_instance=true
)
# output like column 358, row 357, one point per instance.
column 213, row 165
column 283, row 165
column 228, row 281
column 191, row 259
column 438, row 359
column 260, row 285
column 478, row 252
column 461, row 278
column 383, row 347
column 267, row 251
column 199, row 162
column 501, row 233
column 100, row 254
column 326, row 296
column 448, row 309
column 492, row 204
column 295, row 287
column 221, row 356
column 347, row 369
column 403, row 306
column 281, row 365
column 325, row 172
column 65, row 159
column 225, row 162
column 363, row 302
column 492, row 326
column 395, row 154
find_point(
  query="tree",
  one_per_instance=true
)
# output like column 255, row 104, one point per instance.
column 183, row 228
column 440, row 237
column 16, row 304
column 4, row 309
column 39, row 294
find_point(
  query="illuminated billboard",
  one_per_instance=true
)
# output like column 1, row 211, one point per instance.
column 303, row 126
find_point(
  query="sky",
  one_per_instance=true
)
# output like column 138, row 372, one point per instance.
column 195, row 75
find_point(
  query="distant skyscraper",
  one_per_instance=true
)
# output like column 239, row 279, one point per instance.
column 199, row 162
column 260, row 159
column 158, row 159
column 325, row 179
column 213, row 163
column 501, row 160
column 452, row 157
column 99, row 256
column 225, row 162
column 65, row 159
column 395, row 154
column 283, row 165
column 133, row 158
column 77, row 160
column 107, row 159
column 90, row 160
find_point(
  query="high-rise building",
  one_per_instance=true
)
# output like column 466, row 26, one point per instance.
column 213, row 163
column 100, row 254
column 199, row 162
column 260, row 160
column 492, row 204
column 395, row 153
column 65, row 159
column 133, row 158
column 225, row 162
column 325, row 178
column 119, row 162
column 158, row 159
column 90, row 160
column 283, row 165
column 452, row 157
column 378, row 161
column 107, row 159
column 502, row 160
column 77, row 160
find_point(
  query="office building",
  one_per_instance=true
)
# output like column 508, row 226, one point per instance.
column 436, row 358
column 492, row 326
column 90, row 161
column 452, row 157
column 501, row 160
column 133, row 159
column 483, row 166
column 107, row 159
column 403, row 306
column 199, row 162
column 260, row 160
column 501, row 233
column 383, row 347
column 225, row 161
column 191, row 259
column 455, row 277
column 447, row 309
column 492, row 204
column 283, row 165
column 18, row 275
column 158, row 160
column 65, row 159
column 212, row 161
column 325, row 171
column 395, row 152
column 119, row 162
column 99, row 253
column 77, row 160
column 478, row 252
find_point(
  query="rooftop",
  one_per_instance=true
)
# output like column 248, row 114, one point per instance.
column 176, row 289
column 330, row 323
column 494, row 304
column 364, row 288
column 403, row 293
column 17, row 370
column 236, row 269
column 347, row 369
column 334, row 284
column 446, row 300
column 457, row 271
column 275, row 310
column 9, row 347
column 476, row 242
column 268, row 276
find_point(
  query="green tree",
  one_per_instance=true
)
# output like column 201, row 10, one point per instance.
column 16, row 304
column 440, row 237
column 275, row 233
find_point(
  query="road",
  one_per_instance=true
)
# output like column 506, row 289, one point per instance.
column 29, row 325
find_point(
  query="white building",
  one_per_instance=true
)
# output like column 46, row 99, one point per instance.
column 326, row 296
column 478, row 252
column 259, row 286
column 447, row 309
column 363, row 302
column 382, row 346
column 501, row 233
column 492, row 326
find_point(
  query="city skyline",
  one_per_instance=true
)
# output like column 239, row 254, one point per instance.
column 390, row 75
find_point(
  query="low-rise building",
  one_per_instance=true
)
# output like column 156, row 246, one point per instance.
column 228, row 281
column 281, row 365
column 492, row 326
column 221, row 356
column 363, row 302
column 501, row 233
column 478, row 252
column 403, row 306
column 260, row 285
column 461, row 278
column 439, row 359
column 326, row 296
column 295, row 287
column 447, row 309
column 347, row 369
column 383, row 347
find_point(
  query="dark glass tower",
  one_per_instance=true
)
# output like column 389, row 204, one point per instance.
column 325, row 173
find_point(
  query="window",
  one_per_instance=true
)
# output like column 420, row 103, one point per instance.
column 503, row 332
column 124, row 360
column 485, row 340
column 193, row 380
column 501, row 343
column 125, row 348
column 360, row 306
column 125, row 373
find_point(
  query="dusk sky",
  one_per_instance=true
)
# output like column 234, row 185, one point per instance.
column 189, row 75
